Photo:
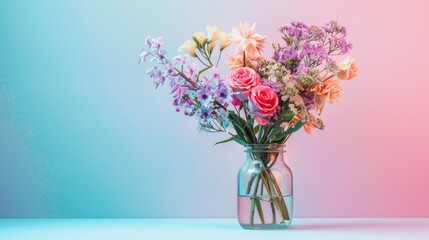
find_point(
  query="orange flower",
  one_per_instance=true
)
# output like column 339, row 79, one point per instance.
column 329, row 90
column 236, row 61
column 247, row 40
column 308, row 127
column 348, row 69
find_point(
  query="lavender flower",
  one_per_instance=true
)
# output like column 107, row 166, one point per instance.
column 314, row 52
column 181, row 59
column 191, row 71
column 333, row 27
column 156, row 75
column 288, row 56
column 205, row 95
column 272, row 84
column 223, row 94
column 340, row 44
column 143, row 55
column 296, row 32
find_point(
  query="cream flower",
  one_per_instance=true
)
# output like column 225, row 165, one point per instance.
column 225, row 40
column 212, row 36
column 212, row 33
column 199, row 38
column 189, row 48
column 348, row 69
column 247, row 40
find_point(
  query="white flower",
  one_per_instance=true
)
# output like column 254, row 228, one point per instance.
column 212, row 33
column 189, row 48
column 225, row 40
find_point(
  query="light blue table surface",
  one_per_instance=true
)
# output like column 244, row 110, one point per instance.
column 190, row 229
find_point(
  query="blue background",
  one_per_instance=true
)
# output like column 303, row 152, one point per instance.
column 83, row 133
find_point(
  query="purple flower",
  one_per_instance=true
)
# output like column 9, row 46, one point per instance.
column 297, row 31
column 174, row 85
column 156, row 43
column 160, row 55
column 307, row 98
column 205, row 95
column 342, row 45
column 156, row 75
column 288, row 57
column 182, row 100
column 273, row 85
column 317, row 33
column 303, row 69
column 181, row 59
column 314, row 52
column 148, row 41
column 191, row 71
column 333, row 27
column 170, row 71
column 214, row 73
column 143, row 55
column 223, row 94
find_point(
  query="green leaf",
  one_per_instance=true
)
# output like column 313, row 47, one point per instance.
column 237, row 124
column 287, row 115
column 242, row 126
column 260, row 211
column 256, row 129
column 240, row 141
column 225, row 141
column 289, row 131
column 238, row 129
column 276, row 129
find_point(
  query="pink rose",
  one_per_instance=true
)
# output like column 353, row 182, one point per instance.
column 242, row 80
column 264, row 102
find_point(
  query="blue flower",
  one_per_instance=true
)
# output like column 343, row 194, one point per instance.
column 205, row 115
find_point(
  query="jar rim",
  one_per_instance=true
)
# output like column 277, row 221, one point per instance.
column 265, row 147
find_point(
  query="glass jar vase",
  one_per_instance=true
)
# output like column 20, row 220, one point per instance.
column 264, row 189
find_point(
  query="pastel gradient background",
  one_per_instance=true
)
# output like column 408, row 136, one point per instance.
column 83, row 133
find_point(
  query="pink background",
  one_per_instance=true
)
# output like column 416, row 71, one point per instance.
column 372, row 160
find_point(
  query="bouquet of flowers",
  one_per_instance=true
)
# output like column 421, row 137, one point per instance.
column 261, row 100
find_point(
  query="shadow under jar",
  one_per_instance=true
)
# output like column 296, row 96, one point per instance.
column 264, row 189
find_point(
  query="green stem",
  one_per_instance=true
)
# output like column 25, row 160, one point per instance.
column 273, row 198
column 218, row 59
column 252, row 211
column 273, row 212
column 281, row 201
column 249, row 128
column 205, row 55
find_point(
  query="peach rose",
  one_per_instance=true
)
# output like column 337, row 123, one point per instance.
column 242, row 80
column 329, row 90
column 264, row 103
column 348, row 69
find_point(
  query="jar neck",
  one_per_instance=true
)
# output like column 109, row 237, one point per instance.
column 268, row 155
